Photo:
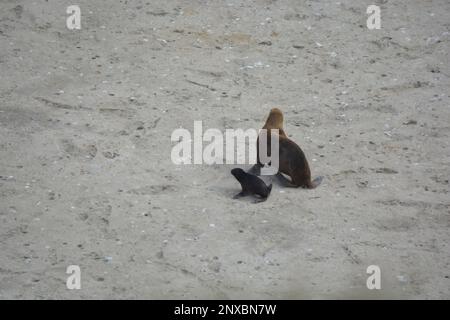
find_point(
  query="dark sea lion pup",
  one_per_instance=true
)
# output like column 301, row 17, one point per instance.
column 251, row 185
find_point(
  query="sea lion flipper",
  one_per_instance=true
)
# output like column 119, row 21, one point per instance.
column 269, row 189
column 260, row 200
column 240, row 195
column 284, row 181
column 315, row 183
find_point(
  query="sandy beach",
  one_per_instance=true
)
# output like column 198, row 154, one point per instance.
column 86, row 176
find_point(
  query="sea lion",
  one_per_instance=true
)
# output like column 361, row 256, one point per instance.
column 251, row 185
column 292, row 160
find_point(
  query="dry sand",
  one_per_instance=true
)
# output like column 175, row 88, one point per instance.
column 86, row 176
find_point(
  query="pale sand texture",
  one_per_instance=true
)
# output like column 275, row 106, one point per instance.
column 86, row 175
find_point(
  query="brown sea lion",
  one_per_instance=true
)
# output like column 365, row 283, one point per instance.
column 292, row 160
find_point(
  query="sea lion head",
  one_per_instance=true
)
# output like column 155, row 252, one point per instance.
column 275, row 119
column 237, row 173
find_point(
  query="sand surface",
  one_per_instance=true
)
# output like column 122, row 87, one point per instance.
column 86, row 176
